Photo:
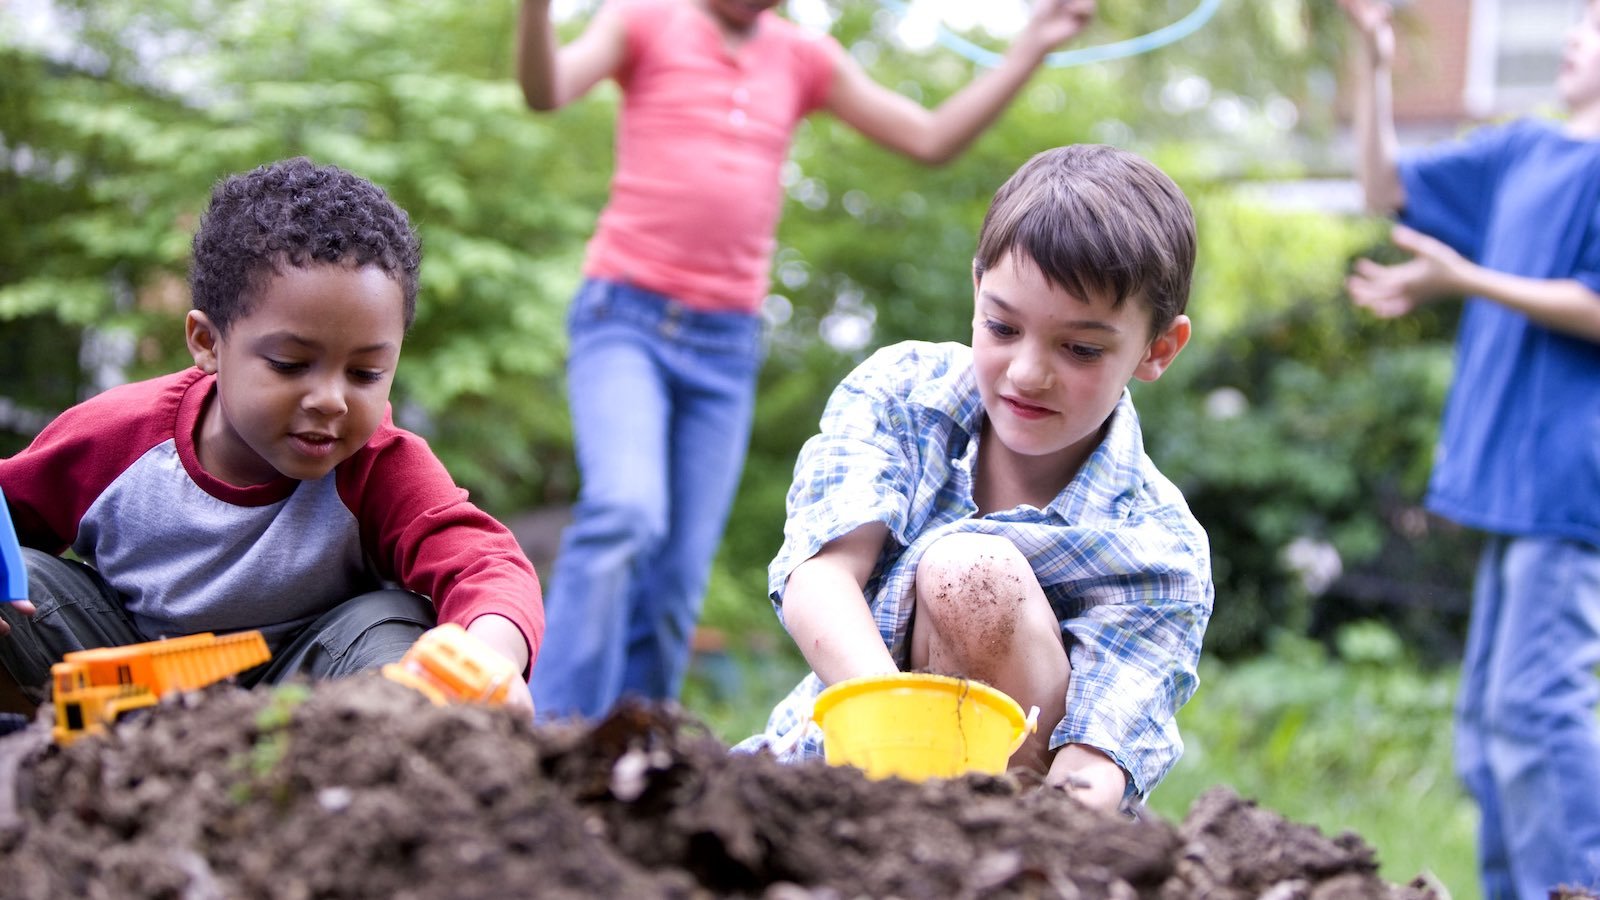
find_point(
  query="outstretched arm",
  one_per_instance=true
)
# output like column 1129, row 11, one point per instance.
column 939, row 135
column 553, row 76
column 1437, row 272
column 1374, row 106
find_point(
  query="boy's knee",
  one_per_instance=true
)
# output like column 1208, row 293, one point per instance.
column 966, row 551
column 359, row 635
column 974, row 587
column 965, row 567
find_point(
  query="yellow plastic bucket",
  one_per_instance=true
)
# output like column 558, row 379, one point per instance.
column 918, row 726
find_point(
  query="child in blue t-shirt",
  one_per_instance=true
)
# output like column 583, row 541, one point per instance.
column 1509, row 218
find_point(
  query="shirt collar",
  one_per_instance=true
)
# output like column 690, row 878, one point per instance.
column 1104, row 489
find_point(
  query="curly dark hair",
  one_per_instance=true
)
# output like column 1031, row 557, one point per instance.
column 299, row 213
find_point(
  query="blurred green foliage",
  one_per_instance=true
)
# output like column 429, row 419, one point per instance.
column 117, row 117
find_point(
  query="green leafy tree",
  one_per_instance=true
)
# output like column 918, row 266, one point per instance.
column 116, row 140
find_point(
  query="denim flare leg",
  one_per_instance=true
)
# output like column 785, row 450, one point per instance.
column 661, row 399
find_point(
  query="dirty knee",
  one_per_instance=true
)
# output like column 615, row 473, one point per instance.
column 972, row 588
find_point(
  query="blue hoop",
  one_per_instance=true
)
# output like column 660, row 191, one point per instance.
column 1144, row 43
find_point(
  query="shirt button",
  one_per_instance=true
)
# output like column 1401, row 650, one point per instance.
column 737, row 117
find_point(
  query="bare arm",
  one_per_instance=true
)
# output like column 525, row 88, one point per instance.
column 939, row 135
column 552, row 76
column 1436, row 272
column 1565, row 305
column 1376, row 144
column 827, row 614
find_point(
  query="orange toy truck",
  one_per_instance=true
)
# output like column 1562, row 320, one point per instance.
column 93, row 688
column 448, row 665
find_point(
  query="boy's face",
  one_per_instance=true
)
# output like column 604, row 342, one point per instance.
column 1579, row 80
column 303, row 380
column 1051, row 366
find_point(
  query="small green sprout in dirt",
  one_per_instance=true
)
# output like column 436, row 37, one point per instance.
column 272, row 740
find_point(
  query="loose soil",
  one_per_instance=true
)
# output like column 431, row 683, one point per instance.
column 361, row 788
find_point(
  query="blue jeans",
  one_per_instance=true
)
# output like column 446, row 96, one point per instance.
column 661, row 399
column 1527, row 743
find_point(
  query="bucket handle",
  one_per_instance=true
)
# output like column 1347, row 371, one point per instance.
column 1029, row 726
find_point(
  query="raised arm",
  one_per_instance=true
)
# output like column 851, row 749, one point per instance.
column 826, row 612
column 939, row 135
column 553, row 76
column 1376, row 145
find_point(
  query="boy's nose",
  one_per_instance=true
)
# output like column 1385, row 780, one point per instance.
column 326, row 396
column 1029, row 371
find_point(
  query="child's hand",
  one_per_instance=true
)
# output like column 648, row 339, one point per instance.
column 504, row 638
column 1054, row 22
column 1089, row 776
column 21, row 606
column 1372, row 19
column 1434, row 272
column 518, row 698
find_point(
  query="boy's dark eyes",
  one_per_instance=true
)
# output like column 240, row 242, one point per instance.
column 287, row 367
column 1080, row 352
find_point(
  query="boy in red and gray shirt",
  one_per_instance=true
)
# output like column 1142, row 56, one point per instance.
column 267, row 487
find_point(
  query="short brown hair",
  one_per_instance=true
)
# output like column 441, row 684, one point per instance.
column 1097, row 221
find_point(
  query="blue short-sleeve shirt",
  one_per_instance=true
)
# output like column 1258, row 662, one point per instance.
column 1519, row 444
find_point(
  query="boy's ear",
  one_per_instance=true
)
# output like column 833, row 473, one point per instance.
column 202, row 338
column 1163, row 350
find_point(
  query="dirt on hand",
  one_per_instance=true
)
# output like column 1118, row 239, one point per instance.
column 362, row 788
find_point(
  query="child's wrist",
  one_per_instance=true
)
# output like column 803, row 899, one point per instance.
column 1029, row 50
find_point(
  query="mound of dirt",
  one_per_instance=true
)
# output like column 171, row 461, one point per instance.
column 361, row 788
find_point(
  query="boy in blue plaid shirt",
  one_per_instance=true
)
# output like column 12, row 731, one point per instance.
column 990, row 511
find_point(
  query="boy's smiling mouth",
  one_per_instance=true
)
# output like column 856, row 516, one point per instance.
column 1025, row 410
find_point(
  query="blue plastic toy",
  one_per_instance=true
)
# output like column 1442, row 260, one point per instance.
column 13, row 577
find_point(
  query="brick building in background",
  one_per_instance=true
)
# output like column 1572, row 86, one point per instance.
column 1457, row 63
column 1462, row 61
